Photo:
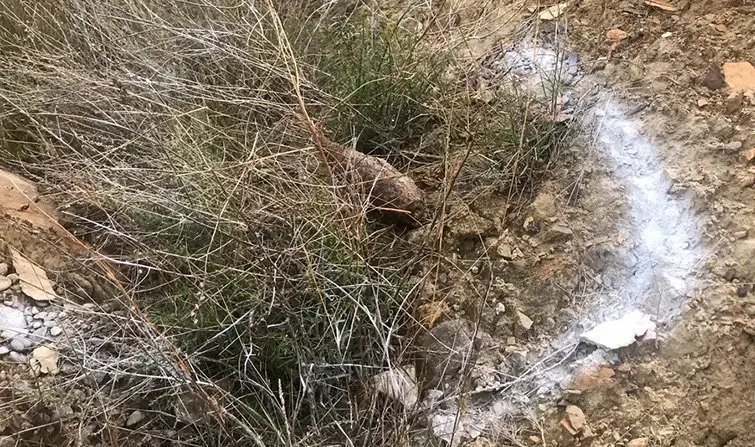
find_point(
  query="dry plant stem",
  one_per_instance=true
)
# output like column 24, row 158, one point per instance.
column 391, row 191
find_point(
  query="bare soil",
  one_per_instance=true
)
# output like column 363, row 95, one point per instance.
column 565, row 261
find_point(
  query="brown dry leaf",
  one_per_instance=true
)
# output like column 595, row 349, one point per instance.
column 553, row 12
column 433, row 311
column 44, row 360
column 749, row 154
column 616, row 35
column 661, row 4
column 20, row 199
column 576, row 417
column 34, row 282
column 740, row 75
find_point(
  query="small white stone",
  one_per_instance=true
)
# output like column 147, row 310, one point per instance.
column 136, row 417
column 19, row 344
column 3, row 268
column 38, row 336
column 5, row 283
column 62, row 315
column 8, row 303
column 51, row 316
column 18, row 357
column 50, row 323
column 34, row 310
column 13, row 277
column 40, row 316
column 56, row 330
column 37, row 324
column 4, row 350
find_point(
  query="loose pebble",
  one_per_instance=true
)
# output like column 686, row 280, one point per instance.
column 3, row 268
column 40, row 316
column 18, row 357
column 39, row 336
column 8, row 303
column 37, row 324
column 19, row 344
column 50, row 323
column 51, row 316
column 136, row 417
column 34, row 310
column 62, row 315
column 56, row 330
column 5, row 283
column 4, row 350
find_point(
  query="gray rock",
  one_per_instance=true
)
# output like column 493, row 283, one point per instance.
column 5, row 283
column 18, row 357
column 51, row 316
column 20, row 344
column 712, row 78
column 4, row 350
column 36, row 324
column 56, row 330
column 558, row 232
column 446, row 348
column 8, row 303
column 38, row 336
column 12, row 322
column 62, row 315
column 34, row 310
column 50, row 323
column 3, row 268
column 40, row 316
column 136, row 417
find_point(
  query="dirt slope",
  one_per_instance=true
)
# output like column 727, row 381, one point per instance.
column 653, row 210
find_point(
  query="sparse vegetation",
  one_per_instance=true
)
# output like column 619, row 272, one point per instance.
column 173, row 135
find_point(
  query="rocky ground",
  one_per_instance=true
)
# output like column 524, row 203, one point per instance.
column 653, row 211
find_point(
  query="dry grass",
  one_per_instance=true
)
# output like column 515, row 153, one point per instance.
column 178, row 136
